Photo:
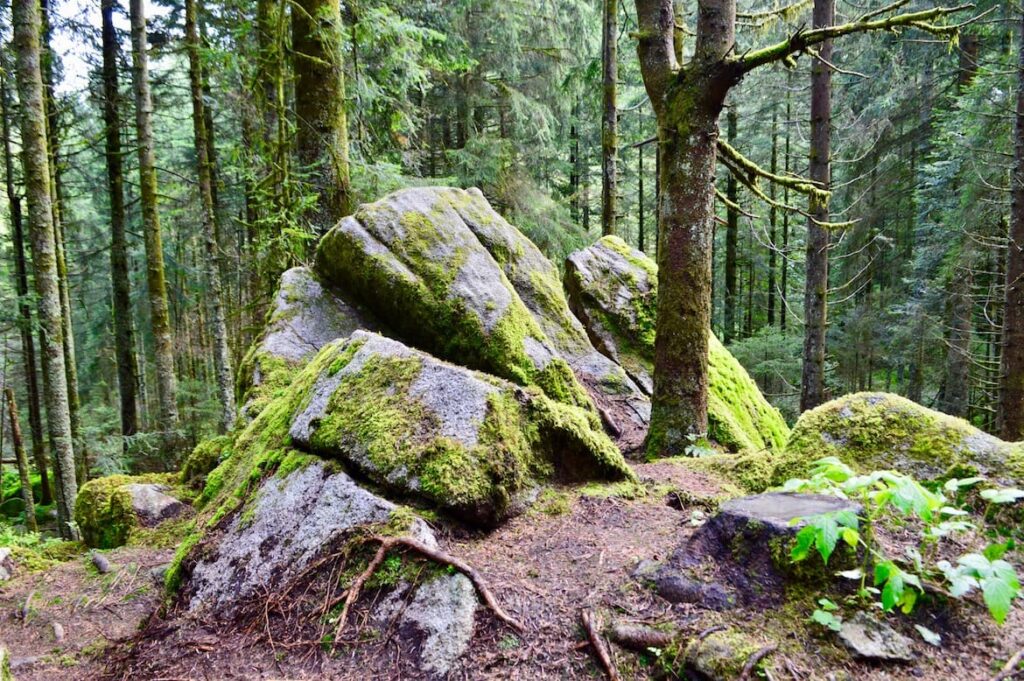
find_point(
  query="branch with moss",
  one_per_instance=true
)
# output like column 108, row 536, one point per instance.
column 802, row 39
column 797, row 184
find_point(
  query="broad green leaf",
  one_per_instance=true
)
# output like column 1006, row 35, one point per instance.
column 1003, row 495
column 802, row 546
column 827, row 619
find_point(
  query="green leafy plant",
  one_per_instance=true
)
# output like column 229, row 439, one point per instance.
column 897, row 582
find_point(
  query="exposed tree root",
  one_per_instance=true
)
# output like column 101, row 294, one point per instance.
column 598, row 643
column 639, row 637
column 436, row 555
column 752, row 661
column 1011, row 668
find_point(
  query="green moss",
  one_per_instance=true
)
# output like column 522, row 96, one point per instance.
column 174, row 574
column 206, row 456
column 875, row 431
column 553, row 502
column 103, row 509
column 275, row 375
column 719, row 655
column 166, row 535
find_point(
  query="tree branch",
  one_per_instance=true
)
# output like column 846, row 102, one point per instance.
column 797, row 184
column 802, row 39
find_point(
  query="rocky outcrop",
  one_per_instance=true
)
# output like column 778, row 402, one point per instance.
column 451, row 277
column 108, row 509
column 878, row 431
column 613, row 290
column 465, row 442
column 306, row 316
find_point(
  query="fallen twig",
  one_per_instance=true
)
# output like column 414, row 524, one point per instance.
column 1011, row 667
column 640, row 637
column 386, row 544
column 752, row 661
column 599, row 644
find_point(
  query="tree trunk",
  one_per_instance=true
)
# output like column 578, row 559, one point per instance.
column 955, row 395
column 640, row 190
column 221, row 353
column 731, row 239
column 1011, row 389
column 19, row 453
column 124, row 332
column 321, row 139
column 25, row 325
column 609, row 119
column 167, row 388
column 816, row 287
column 772, row 220
column 27, row 29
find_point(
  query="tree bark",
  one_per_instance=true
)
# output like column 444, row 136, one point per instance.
column 27, row 28
column 1011, row 389
column 25, row 325
column 167, row 388
column 772, row 220
column 812, row 391
column 321, row 140
column 731, row 239
column 19, row 453
column 955, row 394
column 221, row 353
column 124, row 332
column 609, row 118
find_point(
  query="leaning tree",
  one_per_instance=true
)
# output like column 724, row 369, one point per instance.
column 687, row 97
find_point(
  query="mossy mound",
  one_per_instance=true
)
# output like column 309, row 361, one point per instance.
column 206, row 456
column 450, row 276
column 613, row 289
column 465, row 442
column 106, row 509
column 877, row 431
column 306, row 315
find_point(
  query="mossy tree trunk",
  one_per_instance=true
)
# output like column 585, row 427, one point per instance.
column 35, row 157
column 167, row 387
column 1011, row 389
column 773, row 220
column 321, row 140
column 609, row 118
column 19, row 453
column 124, row 332
column 25, row 324
column 221, row 352
column 812, row 384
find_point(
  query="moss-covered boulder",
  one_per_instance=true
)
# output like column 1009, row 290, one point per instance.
column 109, row 509
column 463, row 441
column 450, row 276
column 206, row 456
column 613, row 289
column 306, row 315
column 875, row 431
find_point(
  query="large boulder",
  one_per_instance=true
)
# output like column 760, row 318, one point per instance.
column 306, row 315
column 613, row 290
column 450, row 276
column 108, row 509
column 877, row 431
column 465, row 442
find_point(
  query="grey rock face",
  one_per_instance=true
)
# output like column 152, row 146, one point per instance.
column 6, row 565
column 291, row 522
column 440, row 617
column 151, row 505
column 870, row 639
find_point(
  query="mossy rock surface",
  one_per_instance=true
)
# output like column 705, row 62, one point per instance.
column 613, row 289
column 306, row 315
column 109, row 509
column 465, row 442
column 206, row 456
column 447, row 274
column 878, row 431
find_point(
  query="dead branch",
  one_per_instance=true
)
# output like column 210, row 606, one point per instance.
column 752, row 661
column 639, row 637
column 436, row 555
column 598, row 643
column 1011, row 667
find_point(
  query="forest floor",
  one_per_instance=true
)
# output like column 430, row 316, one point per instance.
column 576, row 549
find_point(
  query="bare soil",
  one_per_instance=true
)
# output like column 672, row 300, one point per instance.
column 544, row 567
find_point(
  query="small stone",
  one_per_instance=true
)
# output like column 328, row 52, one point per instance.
column 870, row 639
column 645, row 568
column 58, row 631
column 101, row 563
column 6, row 565
column 158, row 573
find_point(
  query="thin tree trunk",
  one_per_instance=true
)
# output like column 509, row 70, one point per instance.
column 609, row 119
column 772, row 221
column 1011, row 389
column 28, row 345
column 167, row 388
column 731, row 239
column 816, row 287
column 955, row 395
column 221, row 353
column 27, row 29
column 321, row 140
column 124, row 332
column 784, row 275
column 640, row 207
column 19, row 453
